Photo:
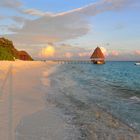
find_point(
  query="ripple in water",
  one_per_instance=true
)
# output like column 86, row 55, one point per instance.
column 114, row 86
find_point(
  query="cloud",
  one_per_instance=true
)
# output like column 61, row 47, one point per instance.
column 62, row 26
column 19, row 19
column 36, row 12
column 99, row 7
column 68, row 54
column 47, row 52
column 1, row 17
column 114, row 53
column 84, row 54
column 120, row 26
column 61, row 51
column 52, row 29
column 137, row 52
column 10, row 3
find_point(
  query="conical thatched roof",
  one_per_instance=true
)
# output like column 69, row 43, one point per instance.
column 97, row 54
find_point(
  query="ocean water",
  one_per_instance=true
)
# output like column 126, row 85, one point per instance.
column 114, row 87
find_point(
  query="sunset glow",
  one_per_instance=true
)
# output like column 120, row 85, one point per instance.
column 69, row 69
column 113, row 25
column 47, row 52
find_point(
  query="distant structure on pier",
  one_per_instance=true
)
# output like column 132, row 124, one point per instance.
column 98, row 57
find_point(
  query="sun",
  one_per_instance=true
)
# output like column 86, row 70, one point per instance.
column 49, row 51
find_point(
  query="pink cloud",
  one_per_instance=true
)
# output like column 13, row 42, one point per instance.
column 115, row 53
column 137, row 52
column 68, row 55
column 83, row 54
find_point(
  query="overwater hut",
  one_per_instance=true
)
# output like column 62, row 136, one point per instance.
column 98, row 57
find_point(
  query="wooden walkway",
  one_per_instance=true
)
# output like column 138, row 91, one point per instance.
column 65, row 61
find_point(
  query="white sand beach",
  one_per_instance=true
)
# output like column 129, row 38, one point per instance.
column 27, row 97
column 28, row 110
column 28, row 104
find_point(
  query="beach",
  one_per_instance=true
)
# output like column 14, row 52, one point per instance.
column 39, row 101
column 31, row 119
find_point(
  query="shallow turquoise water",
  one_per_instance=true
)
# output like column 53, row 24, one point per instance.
column 114, row 87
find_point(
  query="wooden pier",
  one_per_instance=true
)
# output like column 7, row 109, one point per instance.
column 65, row 61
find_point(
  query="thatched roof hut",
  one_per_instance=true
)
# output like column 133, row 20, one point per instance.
column 98, row 57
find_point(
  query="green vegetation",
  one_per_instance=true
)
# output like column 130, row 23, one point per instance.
column 5, row 54
column 9, row 52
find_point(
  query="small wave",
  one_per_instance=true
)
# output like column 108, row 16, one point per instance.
column 135, row 98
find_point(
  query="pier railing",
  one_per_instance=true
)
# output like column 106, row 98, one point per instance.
column 72, row 61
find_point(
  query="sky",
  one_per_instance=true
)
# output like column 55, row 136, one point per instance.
column 50, row 29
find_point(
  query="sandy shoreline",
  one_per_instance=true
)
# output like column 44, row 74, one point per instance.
column 92, row 121
column 32, row 117
column 43, row 108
